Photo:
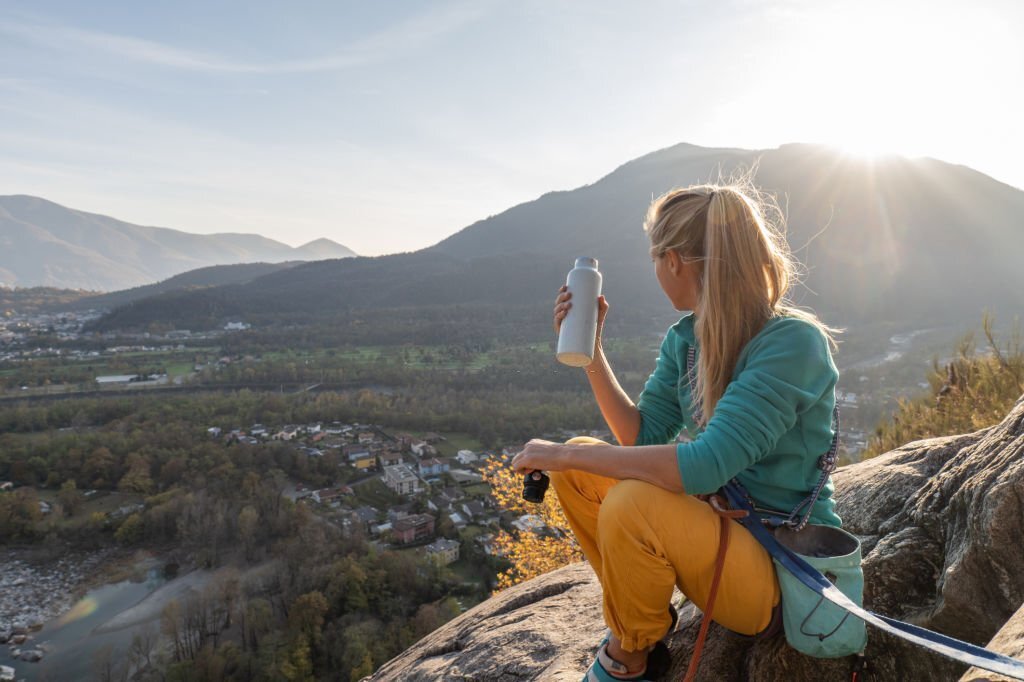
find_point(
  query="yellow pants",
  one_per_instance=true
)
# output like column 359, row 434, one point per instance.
column 642, row 540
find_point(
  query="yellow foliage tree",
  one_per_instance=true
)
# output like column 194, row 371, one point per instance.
column 530, row 553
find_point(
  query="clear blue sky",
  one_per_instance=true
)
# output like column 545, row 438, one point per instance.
column 387, row 126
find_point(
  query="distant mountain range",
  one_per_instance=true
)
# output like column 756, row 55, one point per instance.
column 916, row 242
column 46, row 244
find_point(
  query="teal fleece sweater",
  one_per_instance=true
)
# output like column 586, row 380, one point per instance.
column 769, row 428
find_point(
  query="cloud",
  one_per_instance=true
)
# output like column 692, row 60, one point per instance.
column 402, row 38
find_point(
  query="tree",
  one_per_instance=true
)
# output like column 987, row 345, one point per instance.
column 256, row 622
column 364, row 669
column 298, row 667
column 131, row 530
column 137, row 479
column 306, row 616
column 531, row 554
column 144, row 644
column 70, row 497
column 248, row 531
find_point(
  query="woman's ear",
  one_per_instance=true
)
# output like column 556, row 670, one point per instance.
column 674, row 261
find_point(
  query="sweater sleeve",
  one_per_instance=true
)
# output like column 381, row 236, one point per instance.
column 788, row 369
column 660, row 415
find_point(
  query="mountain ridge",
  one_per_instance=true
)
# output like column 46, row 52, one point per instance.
column 893, row 239
column 47, row 244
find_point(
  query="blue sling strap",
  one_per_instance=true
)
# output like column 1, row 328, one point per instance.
column 947, row 646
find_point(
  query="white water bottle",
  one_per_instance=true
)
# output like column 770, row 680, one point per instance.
column 578, row 333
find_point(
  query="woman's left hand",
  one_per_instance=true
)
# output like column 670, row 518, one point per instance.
column 541, row 455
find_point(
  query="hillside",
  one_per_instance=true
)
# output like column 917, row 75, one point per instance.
column 212, row 276
column 46, row 244
column 885, row 240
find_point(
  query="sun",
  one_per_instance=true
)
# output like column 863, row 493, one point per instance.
column 887, row 82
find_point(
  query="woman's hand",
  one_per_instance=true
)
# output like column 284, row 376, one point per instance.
column 541, row 455
column 562, row 305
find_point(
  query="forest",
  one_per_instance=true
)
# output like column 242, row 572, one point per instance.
column 330, row 605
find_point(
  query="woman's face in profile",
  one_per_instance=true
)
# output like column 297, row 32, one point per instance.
column 679, row 278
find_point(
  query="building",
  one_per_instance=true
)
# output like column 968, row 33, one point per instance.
column 421, row 448
column 444, row 551
column 528, row 522
column 401, row 479
column 365, row 462
column 465, row 476
column 466, row 457
column 354, row 452
column 331, row 496
column 365, row 517
column 390, row 459
column 287, row 433
column 116, row 379
column 412, row 528
column 473, row 509
column 432, row 467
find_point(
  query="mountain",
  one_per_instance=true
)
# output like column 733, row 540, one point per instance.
column 212, row 276
column 46, row 244
column 321, row 249
column 913, row 241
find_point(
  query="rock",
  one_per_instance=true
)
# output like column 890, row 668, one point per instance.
column 544, row 629
column 32, row 655
column 1009, row 641
column 18, row 639
column 19, row 629
column 4, row 636
column 35, row 627
column 940, row 521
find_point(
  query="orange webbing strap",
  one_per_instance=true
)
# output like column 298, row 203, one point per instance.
column 725, row 515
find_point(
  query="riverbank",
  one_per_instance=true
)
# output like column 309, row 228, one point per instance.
column 33, row 592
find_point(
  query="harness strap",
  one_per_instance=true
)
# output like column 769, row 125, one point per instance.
column 942, row 644
column 723, row 544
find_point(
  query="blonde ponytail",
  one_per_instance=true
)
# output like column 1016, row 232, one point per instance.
column 737, row 235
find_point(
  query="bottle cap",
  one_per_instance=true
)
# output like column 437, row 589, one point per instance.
column 586, row 262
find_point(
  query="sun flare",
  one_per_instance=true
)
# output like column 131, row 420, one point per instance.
column 888, row 82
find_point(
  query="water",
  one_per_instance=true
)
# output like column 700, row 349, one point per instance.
column 70, row 641
column 899, row 345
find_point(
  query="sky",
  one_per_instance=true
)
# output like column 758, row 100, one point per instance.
column 389, row 126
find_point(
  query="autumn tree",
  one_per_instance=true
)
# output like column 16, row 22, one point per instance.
column 530, row 553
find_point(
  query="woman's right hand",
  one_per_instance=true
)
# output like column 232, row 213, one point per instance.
column 563, row 303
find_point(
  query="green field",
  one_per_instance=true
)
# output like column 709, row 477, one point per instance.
column 452, row 443
column 375, row 494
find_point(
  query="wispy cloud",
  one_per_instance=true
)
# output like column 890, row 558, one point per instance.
column 402, row 38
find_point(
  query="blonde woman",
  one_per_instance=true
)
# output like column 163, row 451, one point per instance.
column 759, row 409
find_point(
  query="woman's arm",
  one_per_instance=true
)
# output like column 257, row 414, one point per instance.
column 655, row 464
column 618, row 410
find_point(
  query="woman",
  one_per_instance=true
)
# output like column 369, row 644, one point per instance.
column 759, row 409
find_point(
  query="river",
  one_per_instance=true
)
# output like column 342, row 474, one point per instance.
column 105, row 616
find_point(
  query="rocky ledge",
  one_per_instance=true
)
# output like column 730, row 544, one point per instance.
column 941, row 521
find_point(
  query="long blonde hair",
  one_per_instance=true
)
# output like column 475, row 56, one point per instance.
column 736, row 235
